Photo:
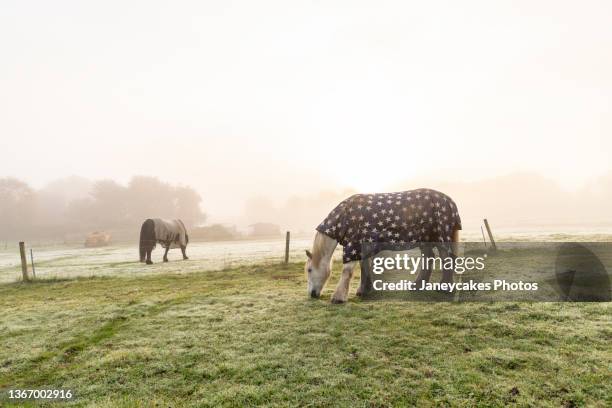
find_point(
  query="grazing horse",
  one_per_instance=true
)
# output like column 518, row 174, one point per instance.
column 169, row 233
column 421, row 218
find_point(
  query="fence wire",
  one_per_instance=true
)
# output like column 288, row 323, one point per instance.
column 70, row 261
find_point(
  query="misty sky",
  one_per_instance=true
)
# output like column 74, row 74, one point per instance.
column 272, row 98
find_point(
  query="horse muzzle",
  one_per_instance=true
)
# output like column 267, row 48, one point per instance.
column 314, row 294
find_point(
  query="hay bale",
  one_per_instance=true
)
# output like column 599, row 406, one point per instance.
column 97, row 239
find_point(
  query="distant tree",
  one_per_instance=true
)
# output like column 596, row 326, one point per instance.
column 18, row 208
column 187, row 206
column 55, row 197
column 149, row 198
column 68, row 188
column 110, row 204
column 81, row 215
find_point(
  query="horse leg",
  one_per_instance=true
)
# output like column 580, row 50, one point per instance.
column 166, row 253
column 341, row 293
column 365, row 285
column 425, row 272
column 149, row 261
column 183, row 248
column 449, row 250
column 447, row 274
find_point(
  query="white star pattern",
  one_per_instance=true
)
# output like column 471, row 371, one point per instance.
column 405, row 217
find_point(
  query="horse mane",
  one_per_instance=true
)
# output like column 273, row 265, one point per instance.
column 147, row 231
column 147, row 237
column 321, row 245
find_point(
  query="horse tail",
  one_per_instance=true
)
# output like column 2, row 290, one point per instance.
column 184, row 229
column 147, row 237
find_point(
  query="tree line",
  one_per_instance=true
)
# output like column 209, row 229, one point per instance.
column 108, row 205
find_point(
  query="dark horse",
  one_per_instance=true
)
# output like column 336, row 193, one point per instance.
column 169, row 233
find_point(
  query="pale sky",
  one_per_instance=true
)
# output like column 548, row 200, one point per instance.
column 272, row 98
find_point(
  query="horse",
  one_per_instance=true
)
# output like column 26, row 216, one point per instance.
column 169, row 233
column 421, row 218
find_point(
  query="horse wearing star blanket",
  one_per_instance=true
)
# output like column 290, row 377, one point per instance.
column 421, row 218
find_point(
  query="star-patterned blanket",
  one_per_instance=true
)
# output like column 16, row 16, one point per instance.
column 405, row 218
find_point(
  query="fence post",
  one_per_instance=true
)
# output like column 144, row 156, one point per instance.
column 32, row 260
column 486, row 223
column 483, row 237
column 287, row 247
column 24, row 262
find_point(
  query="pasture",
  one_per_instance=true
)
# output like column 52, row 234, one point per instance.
column 71, row 261
column 247, row 335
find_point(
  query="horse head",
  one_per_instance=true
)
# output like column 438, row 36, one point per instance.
column 319, row 263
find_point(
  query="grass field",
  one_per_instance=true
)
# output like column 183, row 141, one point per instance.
column 71, row 261
column 249, row 336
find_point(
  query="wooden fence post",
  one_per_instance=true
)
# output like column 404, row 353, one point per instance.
column 486, row 223
column 287, row 247
column 483, row 237
column 32, row 260
column 24, row 262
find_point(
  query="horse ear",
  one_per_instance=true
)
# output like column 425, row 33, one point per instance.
column 308, row 254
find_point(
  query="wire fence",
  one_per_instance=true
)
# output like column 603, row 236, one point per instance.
column 70, row 261
column 59, row 260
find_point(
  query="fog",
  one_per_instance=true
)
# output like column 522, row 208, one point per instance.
column 274, row 111
column 71, row 208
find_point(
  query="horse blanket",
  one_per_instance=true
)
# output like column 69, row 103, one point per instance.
column 405, row 218
column 172, row 231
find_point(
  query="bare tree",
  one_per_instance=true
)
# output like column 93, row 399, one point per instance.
column 17, row 208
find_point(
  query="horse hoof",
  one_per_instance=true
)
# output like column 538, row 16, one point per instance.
column 149, row 262
column 185, row 258
column 165, row 260
column 337, row 301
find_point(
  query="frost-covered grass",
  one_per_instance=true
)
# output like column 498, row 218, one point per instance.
column 64, row 261
column 71, row 261
column 249, row 336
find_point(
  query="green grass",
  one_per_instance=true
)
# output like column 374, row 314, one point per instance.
column 249, row 336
